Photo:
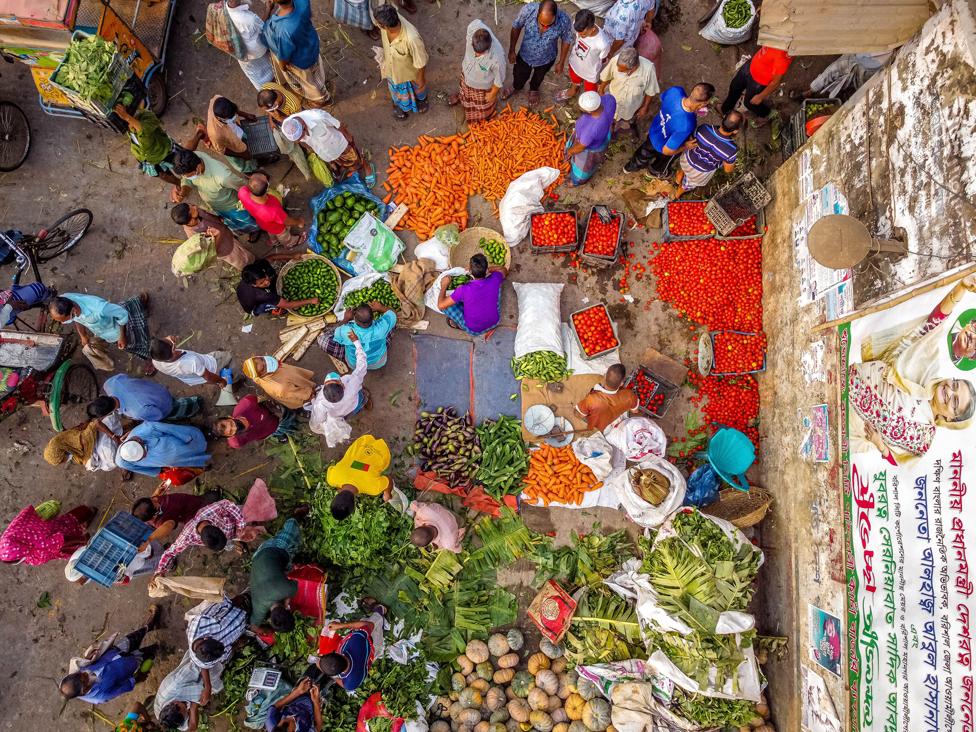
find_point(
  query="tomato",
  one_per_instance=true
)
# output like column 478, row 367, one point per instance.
column 595, row 330
column 687, row 218
column 737, row 353
column 553, row 229
column 601, row 238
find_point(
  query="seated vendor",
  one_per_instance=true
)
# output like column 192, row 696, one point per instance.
column 373, row 333
column 474, row 307
column 257, row 291
column 607, row 400
column 20, row 298
column 347, row 657
column 435, row 526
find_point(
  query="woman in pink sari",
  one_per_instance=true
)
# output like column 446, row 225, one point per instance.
column 32, row 540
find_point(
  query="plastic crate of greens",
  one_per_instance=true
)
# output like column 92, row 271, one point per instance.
column 92, row 74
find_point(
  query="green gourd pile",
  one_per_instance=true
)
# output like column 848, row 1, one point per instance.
column 337, row 218
column 494, row 250
column 380, row 291
column 308, row 279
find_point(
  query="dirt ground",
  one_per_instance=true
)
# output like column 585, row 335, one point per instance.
column 73, row 164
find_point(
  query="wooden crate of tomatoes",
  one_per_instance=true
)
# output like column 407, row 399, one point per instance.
column 686, row 220
column 654, row 393
column 736, row 352
column 594, row 330
column 553, row 231
column 601, row 241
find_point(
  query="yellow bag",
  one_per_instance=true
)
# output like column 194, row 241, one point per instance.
column 362, row 466
column 320, row 170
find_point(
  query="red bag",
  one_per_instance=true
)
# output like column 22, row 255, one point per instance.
column 372, row 708
column 221, row 32
column 313, row 591
column 649, row 46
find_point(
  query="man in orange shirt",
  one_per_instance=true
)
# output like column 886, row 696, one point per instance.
column 758, row 79
column 608, row 400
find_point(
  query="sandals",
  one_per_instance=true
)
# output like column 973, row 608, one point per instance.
column 155, row 614
column 534, row 97
column 506, row 92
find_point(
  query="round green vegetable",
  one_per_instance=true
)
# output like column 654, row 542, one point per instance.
column 308, row 279
column 337, row 217
column 380, row 291
column 494, row 250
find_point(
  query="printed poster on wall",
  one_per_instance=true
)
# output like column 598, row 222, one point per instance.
column 910, row 452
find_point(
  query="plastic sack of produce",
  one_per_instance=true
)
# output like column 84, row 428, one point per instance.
column 194, row 255
column 638, row 501
column 607, row 675
column 359, row 282
column 353, row 184
column 435, row 250
column 373, row 246
column 635, row 709
column 538, row 340
column 637, row 438
column 731, row 23
column 522, row 199
column 746, row 684
column 433, row 294
column 596, row 454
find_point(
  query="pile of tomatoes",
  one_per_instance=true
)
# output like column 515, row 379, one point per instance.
column 649, row 395
column 595, row 330
column 555, row 229
column 730, row 401
column 746, row 228
column 687, row 218
column 738, row 353
column 601, row 238
column 715, row 283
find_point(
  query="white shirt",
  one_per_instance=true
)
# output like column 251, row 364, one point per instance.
column 588, row 54
column 249, row 25
column 630, row 89
column 323, row 134
column 327, row 418
column 189, row 368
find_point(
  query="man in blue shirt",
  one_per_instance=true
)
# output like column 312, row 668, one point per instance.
column 714, row 148
column 294, row 43
column 117, row 670
column 142, row 400
column 671, row 130
column 373, row 334
column 99, row 322
column 548, row 35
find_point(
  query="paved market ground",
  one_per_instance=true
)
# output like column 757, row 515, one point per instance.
column 73, row 164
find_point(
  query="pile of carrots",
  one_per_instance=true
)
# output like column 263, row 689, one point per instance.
column 435, row 177
column 556, row 475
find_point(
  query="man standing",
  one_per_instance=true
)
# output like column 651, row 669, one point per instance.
column 548, row 34
column 142, row 400
column 329, row 139
column 586, row 58
column 213, row 631
column 757, row 79
column 270, row 587
column 607, row 401
column 474, row 307
column 278, row 103
column 217, row 186
column 256, row 63
column 196, row 220
column 150, row 447
column 213, row 526
column 632, row 81
column 625, row 21
column 224, row 134
column 404, row 62
column 294, row 44
column 482, row 74
column 190, row 367
column 339, row 397
column 372, row 335
column 671, row 130
column 290, row 386
column 99, row 322
column 714, row 148
column 268, row 211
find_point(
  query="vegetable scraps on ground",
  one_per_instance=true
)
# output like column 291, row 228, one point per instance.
column 85, row 68
column 435, row 177
column 311, row 278
column 542, row 366
column 556, row 475
column 504, row 458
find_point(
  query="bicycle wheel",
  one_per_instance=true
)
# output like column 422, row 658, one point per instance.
column 15, row 136
column 73, row 386
column 63, row 234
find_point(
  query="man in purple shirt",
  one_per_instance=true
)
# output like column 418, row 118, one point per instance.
column 474, row 307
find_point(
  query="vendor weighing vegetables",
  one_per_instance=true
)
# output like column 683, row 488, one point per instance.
column 474, row 307
column 607, row 400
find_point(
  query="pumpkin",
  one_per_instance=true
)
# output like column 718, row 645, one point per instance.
column 458, row 682
column 561, row 727
column 471, row 698
column 538, row 698
column 554, row 703
column 484, row 670
column 518, row 710
column 441, row 705
column 481, row 685
column 482, row 726
column 498, row 644
column 503, row 675
column 509, row 660
column 515, row 639
column 564, row 689
column 440, row 726
column 509, row 694
column 496, row 727
column 574, row 706
column 596, row 714
column 495, row 698
column 547, row 681
column 551, row 649
column 587, row 689
column 465, row 664
column 537, row 662
column 522, row 683
column 577, row 726
column 469, row 716
column 559, row 715
column 500, row 715
column 471, row 678
column 512, row 726
column 559, row 664
column 541, row 721
column 465, row 728
column 455, row 710
column 477, row 651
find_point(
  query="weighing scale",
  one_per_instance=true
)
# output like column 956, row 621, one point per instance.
column 840, row 242
column 540, row 420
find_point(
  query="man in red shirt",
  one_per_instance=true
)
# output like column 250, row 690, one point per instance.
column 758, row 79
column 268, row 211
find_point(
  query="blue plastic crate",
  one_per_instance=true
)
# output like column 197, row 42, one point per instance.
column 128, row 528
column 112, row 549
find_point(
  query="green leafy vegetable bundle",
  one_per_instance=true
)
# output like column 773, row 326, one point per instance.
column 710, row 660
column 709, row 711
column 604, row 628
column 86, row 68
column 736, row 13
column 589, row 560
column 400, row 684
column 504, row 459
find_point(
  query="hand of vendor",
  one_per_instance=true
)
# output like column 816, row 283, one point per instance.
column 177, row 194
column 352, row 336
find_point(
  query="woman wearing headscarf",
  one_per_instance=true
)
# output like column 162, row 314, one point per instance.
column 92, row 444
column 288, row 385
column 31, row 539
column 587, row 148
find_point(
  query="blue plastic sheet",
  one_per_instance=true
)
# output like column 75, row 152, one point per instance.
column 352, row 184
column 702, row 487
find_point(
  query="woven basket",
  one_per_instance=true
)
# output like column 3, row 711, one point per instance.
column 741, row 509
column 469, row 245
column 309, row 255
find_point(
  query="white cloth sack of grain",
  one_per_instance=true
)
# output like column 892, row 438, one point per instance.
column 637, row 438
column 596, row 454
column 522, row 199
column 579, row 365
column 434, row 293
column 538, row 318
column 640, row 511
column 717, row 31
column 359, row 282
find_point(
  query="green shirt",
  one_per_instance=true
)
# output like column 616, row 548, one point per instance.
column 150, row 144
column 269, row 582
column 217, row 185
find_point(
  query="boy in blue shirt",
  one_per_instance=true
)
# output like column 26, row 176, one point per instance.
column 671, row 131
column 373, row 334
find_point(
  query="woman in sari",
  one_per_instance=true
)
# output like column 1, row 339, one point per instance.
column 587, row 148
column 901, row 424
column 31, row 539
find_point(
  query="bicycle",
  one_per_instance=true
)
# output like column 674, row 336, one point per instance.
column 30, row 250
column 15, row 137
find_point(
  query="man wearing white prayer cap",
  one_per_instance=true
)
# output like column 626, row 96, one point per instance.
column 150, row 447
column 587, row 148
column 328, row 139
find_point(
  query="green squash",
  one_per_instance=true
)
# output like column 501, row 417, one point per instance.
column 522, row 684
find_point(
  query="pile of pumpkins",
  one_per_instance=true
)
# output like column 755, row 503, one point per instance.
column 494, row 691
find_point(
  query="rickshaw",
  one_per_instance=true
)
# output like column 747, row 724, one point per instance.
column 38, row 34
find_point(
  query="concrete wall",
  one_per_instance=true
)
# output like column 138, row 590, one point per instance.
column 903, row 151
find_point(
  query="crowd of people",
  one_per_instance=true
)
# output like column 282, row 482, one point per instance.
column 225, row 201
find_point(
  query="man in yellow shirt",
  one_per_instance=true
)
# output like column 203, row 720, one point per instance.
column 404, row 62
